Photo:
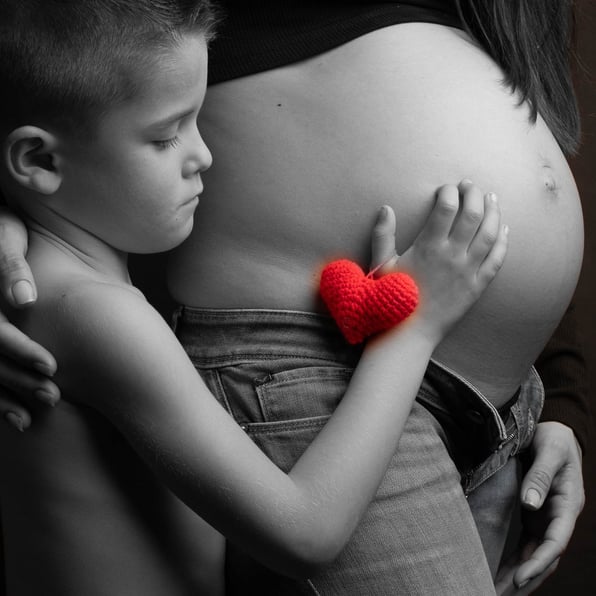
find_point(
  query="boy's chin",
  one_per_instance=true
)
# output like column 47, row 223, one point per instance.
column 165, row 243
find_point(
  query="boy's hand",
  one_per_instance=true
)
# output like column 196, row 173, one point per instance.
column 457, row 254
column 25, row 366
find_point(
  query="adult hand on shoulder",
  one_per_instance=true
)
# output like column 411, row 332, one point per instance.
column 25, row 366
column 16, row 280
column 552, row 494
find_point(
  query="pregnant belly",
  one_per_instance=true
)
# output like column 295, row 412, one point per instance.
column 305, row 155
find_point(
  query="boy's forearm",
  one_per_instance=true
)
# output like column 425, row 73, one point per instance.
column 354, row 449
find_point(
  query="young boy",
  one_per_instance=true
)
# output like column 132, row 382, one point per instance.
column 102, row 156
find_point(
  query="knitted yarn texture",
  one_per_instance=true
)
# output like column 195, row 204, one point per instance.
column 363, row 306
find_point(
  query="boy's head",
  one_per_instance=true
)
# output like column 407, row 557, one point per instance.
column 63, row 63
column 100, row 130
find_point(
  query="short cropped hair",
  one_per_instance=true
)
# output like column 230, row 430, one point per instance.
column 63, row 63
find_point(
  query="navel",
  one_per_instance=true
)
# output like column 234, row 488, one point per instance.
column 549, row 180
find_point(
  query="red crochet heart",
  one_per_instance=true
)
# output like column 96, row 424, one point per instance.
column 363, row 306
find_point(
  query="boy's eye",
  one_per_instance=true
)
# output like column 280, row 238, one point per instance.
column 166, row 143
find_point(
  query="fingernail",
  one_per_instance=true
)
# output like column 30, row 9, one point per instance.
column 15, row 421
column 506, row 230
column 22, row 292
column 46, row 397
column 383, row 211
column 466, row 181
column 532, row 498
column 523, row 584
column 44, row 368
column 492, row 197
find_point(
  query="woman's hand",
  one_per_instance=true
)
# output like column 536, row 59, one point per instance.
column 505, row 585
column 25, row 366
column 456, row 255
column 16, row 281
column 552, row 493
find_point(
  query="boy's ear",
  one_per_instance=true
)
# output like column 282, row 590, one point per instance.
column 30, row 156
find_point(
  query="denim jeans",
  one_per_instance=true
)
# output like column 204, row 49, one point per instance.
column 447, row 505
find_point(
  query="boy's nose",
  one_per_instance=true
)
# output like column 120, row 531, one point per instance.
column 198, row 161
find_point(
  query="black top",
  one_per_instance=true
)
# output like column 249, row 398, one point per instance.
column 564, row 372
column 258, row 35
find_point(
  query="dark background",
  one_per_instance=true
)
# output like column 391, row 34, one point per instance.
column 577, row 572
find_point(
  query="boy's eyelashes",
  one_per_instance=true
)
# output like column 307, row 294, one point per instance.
column 166, row 143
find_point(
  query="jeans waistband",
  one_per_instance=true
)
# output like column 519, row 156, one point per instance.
column 222, row 337
column 217, row 337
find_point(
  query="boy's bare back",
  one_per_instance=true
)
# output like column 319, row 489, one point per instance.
column 76, row 498
column 81, row 509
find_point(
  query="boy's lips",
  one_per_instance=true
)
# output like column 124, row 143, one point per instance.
column 192, row 199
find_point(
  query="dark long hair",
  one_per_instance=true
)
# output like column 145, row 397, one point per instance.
column 531, row 40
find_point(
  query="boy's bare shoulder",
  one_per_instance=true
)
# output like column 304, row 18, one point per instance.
column 82, row 299
column 85, row 311
column 93, row 327
column 83, row 296
column 69, row 289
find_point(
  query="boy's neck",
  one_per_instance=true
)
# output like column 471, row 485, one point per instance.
column 79, row 244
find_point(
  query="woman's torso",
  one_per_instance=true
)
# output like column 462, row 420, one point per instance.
column 304, row 155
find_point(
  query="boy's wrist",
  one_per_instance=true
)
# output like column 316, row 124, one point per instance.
column 417, row 330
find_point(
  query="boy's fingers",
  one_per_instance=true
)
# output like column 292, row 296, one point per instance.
column 495, row 258
column 383, row 251
column 16, row 281
column 441, row 218
column 488, row 232
column 471, row 215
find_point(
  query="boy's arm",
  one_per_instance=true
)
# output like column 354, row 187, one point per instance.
column 120, row 357
column 129, row 366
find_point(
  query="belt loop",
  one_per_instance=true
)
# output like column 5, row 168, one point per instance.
column 176, row 316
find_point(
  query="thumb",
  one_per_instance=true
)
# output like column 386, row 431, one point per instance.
column 537, row 482
column 16, row 280
column 383, row 251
